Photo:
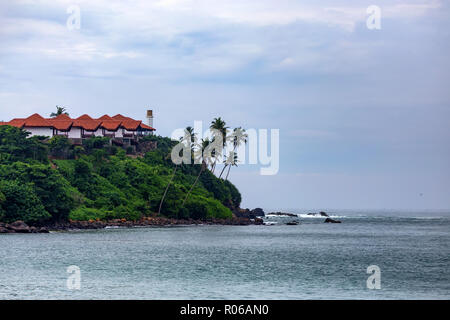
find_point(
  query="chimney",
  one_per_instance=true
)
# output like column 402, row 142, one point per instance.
column 150, row 117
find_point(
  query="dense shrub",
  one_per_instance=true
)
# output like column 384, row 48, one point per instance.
column 20, row 202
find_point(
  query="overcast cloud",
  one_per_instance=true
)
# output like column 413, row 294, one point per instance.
column 363, row 114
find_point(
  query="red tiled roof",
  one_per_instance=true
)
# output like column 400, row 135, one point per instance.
column 63, row 125
column 16, row 122
column 64, row 122
column 111, row 125
column 62, row 116
column 105, row 117
column 90, row 125
column 84, row 117
column 144, row 126
column 36, row 121
column 131, row 124
column 120, row 117
column 61, row 122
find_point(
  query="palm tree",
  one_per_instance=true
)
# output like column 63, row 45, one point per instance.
column 232, row 164
column 219, row 125
column 59, row 111
column 189, row 137
column 238, row 137
column 205, row 143
column 167, row 188
column 203, row 167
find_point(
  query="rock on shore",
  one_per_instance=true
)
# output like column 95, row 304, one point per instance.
column 283, row 214
column 329, row 220
column 20, row 227
column 321, row 213
column 249, row 214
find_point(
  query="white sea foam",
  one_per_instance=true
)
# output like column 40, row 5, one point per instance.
column 304, row 215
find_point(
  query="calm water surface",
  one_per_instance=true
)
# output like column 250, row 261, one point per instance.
column 312, row 260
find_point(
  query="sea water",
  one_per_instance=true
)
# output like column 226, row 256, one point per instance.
column 312, row 260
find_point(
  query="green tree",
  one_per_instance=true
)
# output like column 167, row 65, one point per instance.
column 219, row 128
column 15, row 146
column 21, row 203
column 59, row 146
column 59, row 111
column 189, row 137
column 238, row 137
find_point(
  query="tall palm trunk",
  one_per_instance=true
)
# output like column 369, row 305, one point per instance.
column 167, row 189
column 229, row 168
column 214, row 166
column 195, row 182
column 224, row 167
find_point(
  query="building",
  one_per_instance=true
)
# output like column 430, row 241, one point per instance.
column 119, row 127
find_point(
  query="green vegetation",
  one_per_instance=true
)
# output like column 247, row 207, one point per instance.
column 52, row 180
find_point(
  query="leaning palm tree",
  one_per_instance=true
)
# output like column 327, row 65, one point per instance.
column 205, row 160
column 59, row 111
column 232, row 164
column 188, row 138
column 238, row 137
column 219, row 127
column 167, row 188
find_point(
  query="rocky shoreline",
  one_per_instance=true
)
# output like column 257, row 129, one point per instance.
column 241, row 217
column 21, row 227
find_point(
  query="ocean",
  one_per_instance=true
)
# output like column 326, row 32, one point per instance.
column 312, row 260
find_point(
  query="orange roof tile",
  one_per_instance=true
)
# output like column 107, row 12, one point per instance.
column 90, row 125
column 36, row 121
column 131, row 124
column 84, row 117
column 120, row 117
column 17, row 122
column 111, row 125
column 64, row 122
column 61, row 117
column 61, row 124
column 144, row 126
column 105, row 117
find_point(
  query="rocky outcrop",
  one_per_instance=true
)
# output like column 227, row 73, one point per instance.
column 329, row 220
column 283, row 214
column 248, row 214
column 20, row 227
column 257, row 212
column 321, row 213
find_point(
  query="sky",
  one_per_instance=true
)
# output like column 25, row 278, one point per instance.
column 363, row 114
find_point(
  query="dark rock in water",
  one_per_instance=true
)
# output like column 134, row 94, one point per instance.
column 243, row 213
column 329, row 220
column 43, row 230
column 321, row 213
column 282, row 214
column 5, row 230
column 258, row 212
column 19, row 227
column 249, row 214
column 292, row 223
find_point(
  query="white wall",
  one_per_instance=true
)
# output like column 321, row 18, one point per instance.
column 130, row 132
column 75, row 133
column 119, row 133
column 39, row 131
